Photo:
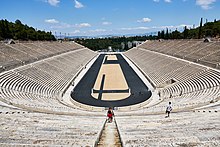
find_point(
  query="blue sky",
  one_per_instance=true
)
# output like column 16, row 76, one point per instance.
column 103, row 17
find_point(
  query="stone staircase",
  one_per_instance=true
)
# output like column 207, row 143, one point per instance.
column 180, row 129
column 109, row 136
column 38, row 129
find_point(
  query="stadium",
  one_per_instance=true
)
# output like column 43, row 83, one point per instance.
column 57, row 93
column 43, row 101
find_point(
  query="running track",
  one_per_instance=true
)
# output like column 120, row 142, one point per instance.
column 139, row 91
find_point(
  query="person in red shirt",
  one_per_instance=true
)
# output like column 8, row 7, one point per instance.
column 110, row 114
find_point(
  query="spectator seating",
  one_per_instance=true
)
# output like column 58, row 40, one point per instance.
column 49, row 67
column 22, row 128
column 14, row 55
column 181, row 129
column 206, row 53
column 187, row 84
column 39, row 85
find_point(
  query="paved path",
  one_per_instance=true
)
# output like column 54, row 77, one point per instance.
column 109, row 136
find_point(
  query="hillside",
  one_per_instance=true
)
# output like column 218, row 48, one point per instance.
column 19, row 31
column 209, row 29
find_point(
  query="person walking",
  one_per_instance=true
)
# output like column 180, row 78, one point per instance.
column 169, row 109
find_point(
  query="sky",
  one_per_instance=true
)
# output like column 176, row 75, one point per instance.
column 109, row 17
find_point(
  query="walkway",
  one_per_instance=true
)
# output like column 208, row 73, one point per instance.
column 110, row 136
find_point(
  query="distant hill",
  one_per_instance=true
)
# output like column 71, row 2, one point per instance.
column 19, row 31
column 209, row 29
column 114, row 42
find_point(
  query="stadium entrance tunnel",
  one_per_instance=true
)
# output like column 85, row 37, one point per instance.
column 110, row 82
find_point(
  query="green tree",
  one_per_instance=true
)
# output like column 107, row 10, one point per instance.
column 19, row 31
column 167, row 34
column 185, row 32
column 176, row 34
column 200, row 29
column 2, row 30
column 162, row 34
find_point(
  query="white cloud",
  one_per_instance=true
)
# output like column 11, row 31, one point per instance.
column 136, row 28
column 75, row 32
column 144, row 20
column 106, row 23
column 97, row 30
column 53, row 2
column 205, row 4
column 171, row 26
column 83, row 25
column 53, row 21
column 168, row 1
column 62, row 25
column 78, row 4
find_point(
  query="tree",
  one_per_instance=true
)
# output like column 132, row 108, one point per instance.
column 176, row 34
column 185, row 32
column 158, row 35
column 19, row 31
column 200, row 29
column 208, row 32
column 162, row 34
column 18, row 22
column 167, row 34
column 7, row 30
column 2, row 29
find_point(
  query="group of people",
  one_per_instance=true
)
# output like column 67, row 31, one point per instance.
column 110, row 112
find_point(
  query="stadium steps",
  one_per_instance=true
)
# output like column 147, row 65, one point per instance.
column 195, row 85
column 14, row 81
column 178, row 46
column 198, row 52
column 49, row 130
column 19, row 54
column 184, row 51
column 28, row 50
column 192, row 50
column 204, row 80
column 181, row 129
column 39, row 52
column 109, row 135
column 34, row 87
column 8, row 62
column 27, row 53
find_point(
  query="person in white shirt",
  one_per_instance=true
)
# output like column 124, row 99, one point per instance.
column 169, row 109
